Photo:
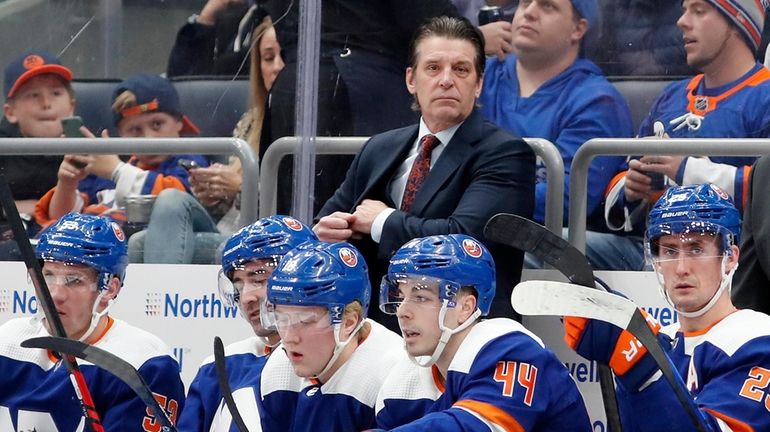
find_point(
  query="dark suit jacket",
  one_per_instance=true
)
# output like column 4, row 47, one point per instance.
column 751, row 284
column 483, row 171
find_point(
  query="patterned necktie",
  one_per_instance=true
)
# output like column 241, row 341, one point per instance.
column 420, row 170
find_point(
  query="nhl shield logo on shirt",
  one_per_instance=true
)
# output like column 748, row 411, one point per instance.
column 701, row 103
column 472, row 248
column 292, row 223
column 348, row 257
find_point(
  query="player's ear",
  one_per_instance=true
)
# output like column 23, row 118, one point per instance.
column 467, row 305
column 350, row 320
column 112, row 289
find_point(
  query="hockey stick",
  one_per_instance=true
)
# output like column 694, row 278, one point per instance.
column 224, row 385
column 93, row 422
column 109, row 362
column 528, row 236
column 523, row 234
column 563, row 299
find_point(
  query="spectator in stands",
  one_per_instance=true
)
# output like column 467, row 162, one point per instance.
column 471, row 169
column 144, row 106
column 751, row 285
column 497, row 33
column 38, row 94
column 639, row 37
column 204, row 221
column 363, row 53
column 545, row 90
column 730, row 98
column 217, row 41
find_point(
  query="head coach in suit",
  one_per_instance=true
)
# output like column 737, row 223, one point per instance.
column 448, row 174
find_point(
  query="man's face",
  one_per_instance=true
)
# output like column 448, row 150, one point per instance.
column 691, row 268
column 418, row 315
column 705, row 31
column 445, row 81
column 39, row 105
column 73, row 290
column 546, row 28
column 251, row 283
column 307, row 336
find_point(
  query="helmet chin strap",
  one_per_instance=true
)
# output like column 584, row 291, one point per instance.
column 96, row 316
column 725, row 283
column 339, row 345
column 446, row 334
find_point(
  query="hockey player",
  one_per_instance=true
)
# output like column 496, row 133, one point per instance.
column 462, row 374
column 248, row 260
column 334, row 360
column 730, row 98
column 84, row 265
column 720, row 352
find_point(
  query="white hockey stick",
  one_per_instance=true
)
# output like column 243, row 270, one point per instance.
column 565, row 299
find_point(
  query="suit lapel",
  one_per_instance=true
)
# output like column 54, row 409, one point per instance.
column 454, row 155
column 386, row 162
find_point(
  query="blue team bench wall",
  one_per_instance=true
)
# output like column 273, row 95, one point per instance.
column 216, row 104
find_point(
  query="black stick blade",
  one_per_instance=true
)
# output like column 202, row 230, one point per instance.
column 224, row 384
column 523, row 234
column 109, row 362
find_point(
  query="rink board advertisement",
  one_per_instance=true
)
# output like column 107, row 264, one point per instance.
column 180, row 304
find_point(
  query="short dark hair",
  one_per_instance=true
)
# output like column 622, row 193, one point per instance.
column 450, row 28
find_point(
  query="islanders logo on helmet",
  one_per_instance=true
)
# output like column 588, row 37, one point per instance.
column 472, row 247
column 348, row 257
column 292, row 223
column 118, row 231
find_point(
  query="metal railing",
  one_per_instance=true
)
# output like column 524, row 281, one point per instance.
column 554, row 206
column 213, row 146
column 635, row 146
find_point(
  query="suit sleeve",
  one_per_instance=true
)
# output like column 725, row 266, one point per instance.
column 345, row 195
column 751, row 279
column 500, row 181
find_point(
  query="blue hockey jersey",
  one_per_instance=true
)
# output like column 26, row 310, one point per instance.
column 569, row 109
column 343, row 404
column 687, row 109
column 725, row 367
column 36, row 393
column 501, row 378
column 205, row 409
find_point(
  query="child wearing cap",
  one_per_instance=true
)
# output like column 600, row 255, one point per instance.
column 38, row 95
column 144, row 106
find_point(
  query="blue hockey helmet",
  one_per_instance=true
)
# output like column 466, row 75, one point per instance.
column 269, row 237
column 94, row 241
column 703, row 208
column 331, row 275
column 458, row 259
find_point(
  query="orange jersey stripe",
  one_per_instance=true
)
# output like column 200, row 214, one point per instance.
column 491, row 413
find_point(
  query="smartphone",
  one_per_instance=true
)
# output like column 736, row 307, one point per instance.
column 71, row 126
column 658, row 179
column 188, row 164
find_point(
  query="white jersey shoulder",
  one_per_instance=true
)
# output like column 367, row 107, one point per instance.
column 408, row 381
column 729, row 334
column 363, row 374
column 253, row 345
column 480, row 335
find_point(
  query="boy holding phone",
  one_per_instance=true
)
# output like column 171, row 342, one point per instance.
column 38, row 94
column 144, row 106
